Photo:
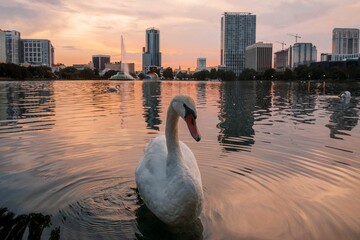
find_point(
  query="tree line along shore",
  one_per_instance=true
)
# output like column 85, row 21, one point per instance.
column 9, row 71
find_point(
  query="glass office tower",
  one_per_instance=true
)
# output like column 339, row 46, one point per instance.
column 238, row 30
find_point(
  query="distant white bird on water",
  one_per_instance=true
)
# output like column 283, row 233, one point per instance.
column 345, row 95
column 168, row 177
column 113, row 89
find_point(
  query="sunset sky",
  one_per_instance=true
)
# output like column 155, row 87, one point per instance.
column 188, row 28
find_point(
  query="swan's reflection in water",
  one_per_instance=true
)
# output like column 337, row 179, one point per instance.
column 151, row 227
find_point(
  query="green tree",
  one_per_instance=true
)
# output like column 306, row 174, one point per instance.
column 269, row 74
column 41, row 72
column 213, row 74
column 168, row 73
column 288, row 74
column 353, row 71
column 338, row 73
column 134, row 75
column 183, row 75
column 18, row 72
column 141, row 76
column 302, row 72
column 87, row 73
column 247, row 74
column 316, row 72
column 201, row 75
column 228, row 76
column 70, row 73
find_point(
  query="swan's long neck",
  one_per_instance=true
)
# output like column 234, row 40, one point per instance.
column 171, row 134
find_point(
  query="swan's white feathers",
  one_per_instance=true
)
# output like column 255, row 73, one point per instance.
column 152, row 170
column 170, row 183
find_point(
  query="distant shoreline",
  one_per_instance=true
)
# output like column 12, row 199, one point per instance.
column 190, row 80
column 4, row 79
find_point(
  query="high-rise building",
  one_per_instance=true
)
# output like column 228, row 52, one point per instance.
column 238, row 30
column 345, row 41
column 302, row 54
column 281, row 60
column 12, row 46
column 2, row 47
column 100, row 60
column 201, row 64
column 259, row 56
column 151, row 53
column 36, row 52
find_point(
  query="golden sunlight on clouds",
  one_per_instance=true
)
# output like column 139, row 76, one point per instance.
column 188, row 29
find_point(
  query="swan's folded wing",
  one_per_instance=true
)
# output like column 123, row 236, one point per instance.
column 153, row 162
column 190, row 161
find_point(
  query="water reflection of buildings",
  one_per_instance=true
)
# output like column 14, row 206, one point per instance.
column 294, row 101
column 151, row 103
column 201, row 93
column 299, row 101
column 236, row 115
column 263, row 99
column 27, row 100
column 302, row 104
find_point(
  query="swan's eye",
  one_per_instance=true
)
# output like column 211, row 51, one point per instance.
column 189, row 111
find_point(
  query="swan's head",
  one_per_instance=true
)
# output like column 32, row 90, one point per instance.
column 345, row 94
column 185, row 107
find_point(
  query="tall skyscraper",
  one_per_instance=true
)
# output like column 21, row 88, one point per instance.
column 201, row 64
column 36, row 52
column 238, row 30
column 345, row 41
column 259, row 56
column 151, row 53
column 100, row 60
column 2, row 47
column 302, row 54
column 12, row 46
column 281, row 60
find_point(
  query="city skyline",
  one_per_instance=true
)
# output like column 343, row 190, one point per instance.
column 189, row 29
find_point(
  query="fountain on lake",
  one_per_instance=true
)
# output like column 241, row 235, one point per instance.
column 124, row 67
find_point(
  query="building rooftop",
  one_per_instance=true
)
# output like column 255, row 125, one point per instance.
column 237, row 13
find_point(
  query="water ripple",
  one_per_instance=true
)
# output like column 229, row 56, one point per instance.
column 276, row 158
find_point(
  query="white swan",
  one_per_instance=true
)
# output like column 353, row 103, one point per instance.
column 168, row 177
column 345, row 95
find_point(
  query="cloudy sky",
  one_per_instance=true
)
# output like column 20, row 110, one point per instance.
column 188, row 28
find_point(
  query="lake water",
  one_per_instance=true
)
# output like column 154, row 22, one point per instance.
column 279, row 160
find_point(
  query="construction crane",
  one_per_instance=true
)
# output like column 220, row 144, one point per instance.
column 296, row 36
column 282, row 44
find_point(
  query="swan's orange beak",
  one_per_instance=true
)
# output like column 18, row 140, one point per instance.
column 191, row 123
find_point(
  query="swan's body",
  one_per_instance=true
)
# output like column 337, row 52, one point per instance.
column 345, row 95
column 113, row 89
column 168, row 177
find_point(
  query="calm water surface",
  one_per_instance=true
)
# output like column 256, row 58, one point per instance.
column 278, row 160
